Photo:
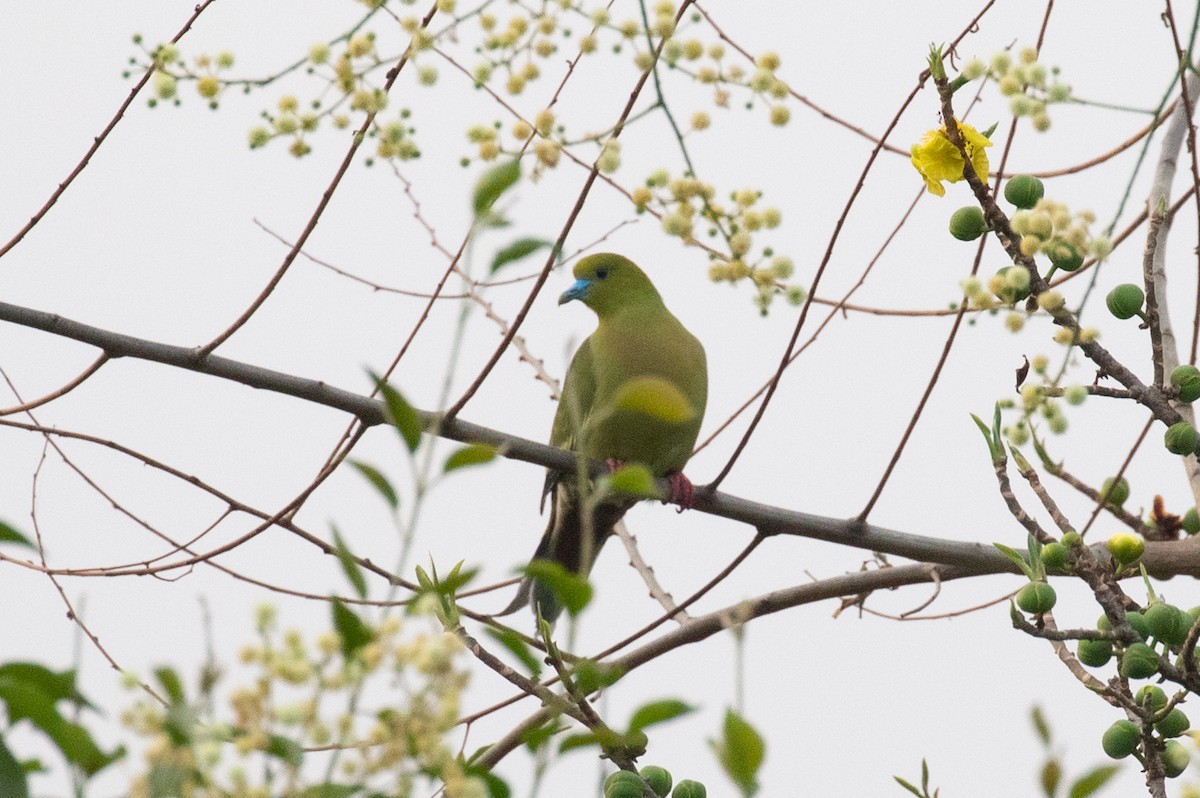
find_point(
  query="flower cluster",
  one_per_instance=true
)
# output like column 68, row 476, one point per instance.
column 1051, row 229
column 304, row 694
column 170, row 68
column 1043, row 398
column 1028, row 84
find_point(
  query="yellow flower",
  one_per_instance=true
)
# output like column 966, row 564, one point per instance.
column 937, row 159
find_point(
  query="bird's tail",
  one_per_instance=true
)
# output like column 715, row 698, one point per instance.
column 566, row 543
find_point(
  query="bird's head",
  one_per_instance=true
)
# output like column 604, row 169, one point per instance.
column 607, row 282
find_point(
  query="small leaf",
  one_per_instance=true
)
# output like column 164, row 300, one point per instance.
column 289, row 751
column 13, row 783
column 179, row 722
column 634, row 480
column 571, row 590
column 1040, row 725
column 658, row 712
column 906, row 785
column 10, row 535
column 1092, row 781
column 987, row 437
column 518, row 648
column 351, row 630
column 495, row 182
column 521, row 248
column 740, row 752
column 171, row 684
column 537, row 736
column 400, row 414
column 472, row 454
column 378, row 481
column 581, row 740
column 590, row 675
column 1017, row 559
column 350, row 567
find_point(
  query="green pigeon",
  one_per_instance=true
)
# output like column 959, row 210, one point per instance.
column 634, row 394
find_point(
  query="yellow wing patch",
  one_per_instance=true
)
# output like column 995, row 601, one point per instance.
column 655, row 397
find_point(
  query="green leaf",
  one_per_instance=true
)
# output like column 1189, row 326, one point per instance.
column 400, row 414
column 906, row 785
column 353, row 573
column 378, row 481
column 495, row 182
column 1015, row 556
column 537, row 736
column 172, row 685
column 590, row 675
column 1040, row 725
column 13, row 783
column 658, row 712
column 289, row 751
column 353, row 633
column 516, row 646
column 521, row 248
column 1092, row 781
column 10, row 535
column 740, row 752
column 179, row 722
column 472, row 454
column 571, row 590
column 581, row 740
column 635, row 481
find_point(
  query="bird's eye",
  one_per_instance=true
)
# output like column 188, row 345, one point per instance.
column 601, row 274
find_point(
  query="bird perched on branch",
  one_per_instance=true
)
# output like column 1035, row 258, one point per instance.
column 634, row 394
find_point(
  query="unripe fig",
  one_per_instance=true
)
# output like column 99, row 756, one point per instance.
column 1180, row 438
column 1036, row 598
column 1166, row 623
column 1187, row 380
column 1151, row 696
column 1115, row 493
column 1064, row 256
column 1174, row 724
column 1138, row 621
column 1175, row 758
column 1121, row 739
column 623, row 784
column 1139, row 662
column 967, row 223
column 1125, row 301
column 689, row 789
column 658, row 778
column 1126, row 547
column 1191, row 521
column 1095, row 653
column 1054, row 555
column 1024, row 191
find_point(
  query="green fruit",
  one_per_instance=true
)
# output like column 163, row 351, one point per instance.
column 1191, row 521
column 1136, row 620
column 1180, row 438
column 1175, row 758
column 1126, row 547
column 967, row 223
column 1054, row 555
column 1024, row 191
column 1174, row 724
column 1125, row 301
column 1115, row 493
column 689, row 789
column 1071, row 538
column 658, row 778
column 1008, row 291
column 623, row 784
column 1166, row 623
column 1064, row 256
column 1152, row 696
column 1139, row 662
column 1187, row 380
column 1095, row 653
column 1121, row 739
column 1036, row 598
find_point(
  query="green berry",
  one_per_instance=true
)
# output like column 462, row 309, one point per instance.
column 1054, row 555
column 1121, row 739
column 689, row 789
column 1166, row 623
column 1139, row 662
column 658, row 778
column 1125, row 301
column 1191, row 521
column 1126, row 547
column 1071, row 538
column 1175, row 758
column 1064, row 256
column 1187, row 380
column 1138, row 622
column 1180, row 438
column 1174, row 724
column 1115, row 493
column 1024, row 191
column 967, row 223
column 1151, row 696
column 1036, row 598
column 1095, row 653
column 623, row 784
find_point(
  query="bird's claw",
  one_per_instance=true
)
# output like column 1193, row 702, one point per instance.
column 682, row 493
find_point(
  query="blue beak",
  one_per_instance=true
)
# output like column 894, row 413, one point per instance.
column 578, row 291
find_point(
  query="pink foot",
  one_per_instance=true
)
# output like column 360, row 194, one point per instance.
column 614, row 464
column 682, row 492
